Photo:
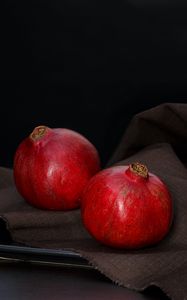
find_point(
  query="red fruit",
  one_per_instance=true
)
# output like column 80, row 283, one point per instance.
column 125, row 207
column 52, row 167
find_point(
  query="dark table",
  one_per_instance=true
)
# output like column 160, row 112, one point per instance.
column 20, row 281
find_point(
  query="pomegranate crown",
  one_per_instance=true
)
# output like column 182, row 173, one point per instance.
column 38, row 132
column 139, row 169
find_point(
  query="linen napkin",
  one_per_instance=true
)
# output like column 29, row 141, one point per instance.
column 157, row 138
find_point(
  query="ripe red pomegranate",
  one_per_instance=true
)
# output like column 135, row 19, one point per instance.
column 52, row 167
column 127, row 207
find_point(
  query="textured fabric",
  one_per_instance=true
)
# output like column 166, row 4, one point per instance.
column 157, row 138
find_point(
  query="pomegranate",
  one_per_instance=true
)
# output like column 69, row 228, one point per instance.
column 52, row 167
column 127, row 207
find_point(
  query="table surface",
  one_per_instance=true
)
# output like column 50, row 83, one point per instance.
column 20, row 281
column 24, row 279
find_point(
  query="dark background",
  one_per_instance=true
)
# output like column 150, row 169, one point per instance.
column 88, row 65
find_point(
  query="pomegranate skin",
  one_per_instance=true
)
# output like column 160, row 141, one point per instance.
column 52, row 167
column 126, row 208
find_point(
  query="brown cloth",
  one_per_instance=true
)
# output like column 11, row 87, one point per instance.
column 157, row 138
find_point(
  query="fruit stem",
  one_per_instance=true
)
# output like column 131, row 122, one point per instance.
column 139, row 169
column 38, row 132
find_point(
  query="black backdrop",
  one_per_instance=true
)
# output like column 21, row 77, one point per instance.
column 88, row 66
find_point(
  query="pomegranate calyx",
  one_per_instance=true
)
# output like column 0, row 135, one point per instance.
column 38, row 132
column 139, row 169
